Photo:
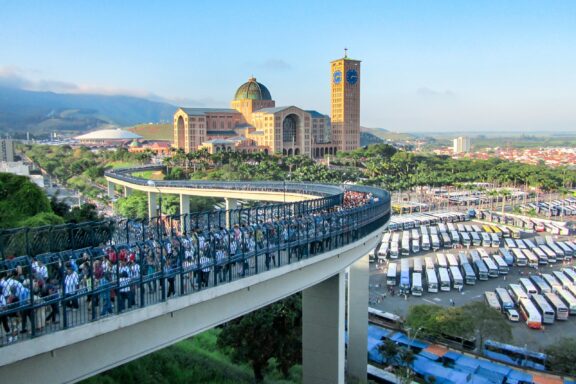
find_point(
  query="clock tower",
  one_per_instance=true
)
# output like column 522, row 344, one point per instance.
column 345, row 103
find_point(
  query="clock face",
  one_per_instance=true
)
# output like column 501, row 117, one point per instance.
column 337, row 77
column 352, row 76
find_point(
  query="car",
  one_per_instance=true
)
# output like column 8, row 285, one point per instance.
column 512, row 315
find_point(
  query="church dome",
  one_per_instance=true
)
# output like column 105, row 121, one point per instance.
column 252, row 90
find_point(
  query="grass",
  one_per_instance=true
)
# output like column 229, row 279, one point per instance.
column 154, row 131
column 152, row 175
column 122, row 164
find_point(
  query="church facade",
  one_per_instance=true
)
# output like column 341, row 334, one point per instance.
column 255, row 123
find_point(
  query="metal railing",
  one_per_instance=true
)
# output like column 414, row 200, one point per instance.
column 99, row 269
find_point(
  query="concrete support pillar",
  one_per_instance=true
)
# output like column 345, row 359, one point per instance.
column 111, row 190
column 127, row 191
column 358, row 295
column 230, row 204
column 184, row 210
column 323, row 332
column 152, row 204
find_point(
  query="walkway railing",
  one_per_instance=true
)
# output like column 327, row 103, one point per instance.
column 93, row 270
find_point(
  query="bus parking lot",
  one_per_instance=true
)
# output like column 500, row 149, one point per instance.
column 392, row 299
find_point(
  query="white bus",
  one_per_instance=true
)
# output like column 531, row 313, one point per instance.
column 391, row 274
column 495, row 239
column 509, row 243
column 552, row 282
column 416, row 284
column 441, row 227
column 425, row 242
column 562, row 278
column 465, row 236
column 568, row 299
column 444, row 279
column 486, row 239
column 502, row 266
column 429, row 261
column 432, row 280
column 415, row 245
column 435, row 240
column 545, row 309
column 530, row 314
column 452, row 261
column 405, row 243
column 417, row 264
column 481, row 269
column 531, row 257
column 482, row 252
column 414, row 234
column 457, row 280
column 404, row 276
column 505, row 299
column 492, row 300
column 451, row 227
column 441, row 260
column 469, row 274
column 570, row 273
column 540, row 284
column 462, row 258
column 521, row 244
column 528, row 287
column 445, row 239
column 519, row 258
column 542, row 258
column 476, row 241
column 529, row 244
column 516, row 292
column 568, row 252
column 558, row 305
column 395, row 245
column 549, row 252
column 492, row 267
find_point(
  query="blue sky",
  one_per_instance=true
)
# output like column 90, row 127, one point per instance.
column 430, row 65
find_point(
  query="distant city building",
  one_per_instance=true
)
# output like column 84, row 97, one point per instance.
column 21, row 169
column 461, row 144
column 156, row 147
column 254, row 123
column 6, row 150
column 108, row 137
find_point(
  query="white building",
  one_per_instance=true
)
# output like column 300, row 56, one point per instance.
column 6, row 150
column 461, row 144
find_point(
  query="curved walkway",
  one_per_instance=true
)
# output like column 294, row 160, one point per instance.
column 143, row 265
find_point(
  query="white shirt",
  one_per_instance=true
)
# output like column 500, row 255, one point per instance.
column 71, row 283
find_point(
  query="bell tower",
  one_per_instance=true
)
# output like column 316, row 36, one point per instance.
column 345, row 103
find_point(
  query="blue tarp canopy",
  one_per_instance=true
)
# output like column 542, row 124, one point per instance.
column 401, row 338
column 443, row 375
column 516, row 377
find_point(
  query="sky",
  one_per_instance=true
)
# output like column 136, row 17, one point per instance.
column 427, row 65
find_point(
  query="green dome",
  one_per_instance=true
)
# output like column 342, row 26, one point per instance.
column 252, row 90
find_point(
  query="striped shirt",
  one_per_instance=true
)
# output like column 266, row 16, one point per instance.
column 71, row 283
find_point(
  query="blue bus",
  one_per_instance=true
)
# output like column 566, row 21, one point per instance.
column 512, row 354
column 405, row 276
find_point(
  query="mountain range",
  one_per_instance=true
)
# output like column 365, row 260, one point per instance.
column 42, row 112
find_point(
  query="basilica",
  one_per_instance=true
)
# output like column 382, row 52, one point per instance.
column 255, row 123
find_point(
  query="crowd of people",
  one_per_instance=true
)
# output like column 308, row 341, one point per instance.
column 82, row 285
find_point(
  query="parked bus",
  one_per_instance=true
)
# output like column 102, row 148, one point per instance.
column 528, row 287
column 521, row 260
column 570, row 273
column 568, row 299
column 492, row 300
column 505, row 299
column 429, row 261
column 391, row 274
column 516, row 292
column 417, row 284
column 474, row 255
column 404, row 276
column 542, row 258
column 444, row 279
column 486, row 239
column 457, row 280
column 481, row 269
column 505, row 231
column 540, row 284
column 531, row 257
column 552, row 281
column 425, row 242
column 452, row 261
column 486, row 228
column 521, row 244
column 514, row 355
column 432, row 280
column 501, row 264
column 451, row 227
column 483, row 254
column 530, row 314
column 529, row 243
column 462, row 258
column 469, row 274
column 435, row 242
column 441, row 260
column 552, row 257
column 495, row 239
column 507, row 256
column 562, row 278
column 545, row 309
column 515, row 233
column 385, row 319
column 492, row 267
column 455, row 236
column 558, row 305
column 465, row 236
column 415, row 246
column 446, row 239
column 568, row 252
column 476, row 241
column 509, row 243
column 417, row 264
column 405, row 245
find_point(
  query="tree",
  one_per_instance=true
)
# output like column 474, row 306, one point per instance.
column 488, row 322
column 134, row 206
column 399, row 357
column 271, row 332
column 561, row 356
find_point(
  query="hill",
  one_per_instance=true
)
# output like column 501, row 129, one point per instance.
column 154, row 131
column 43, row 112
column 387, row 135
